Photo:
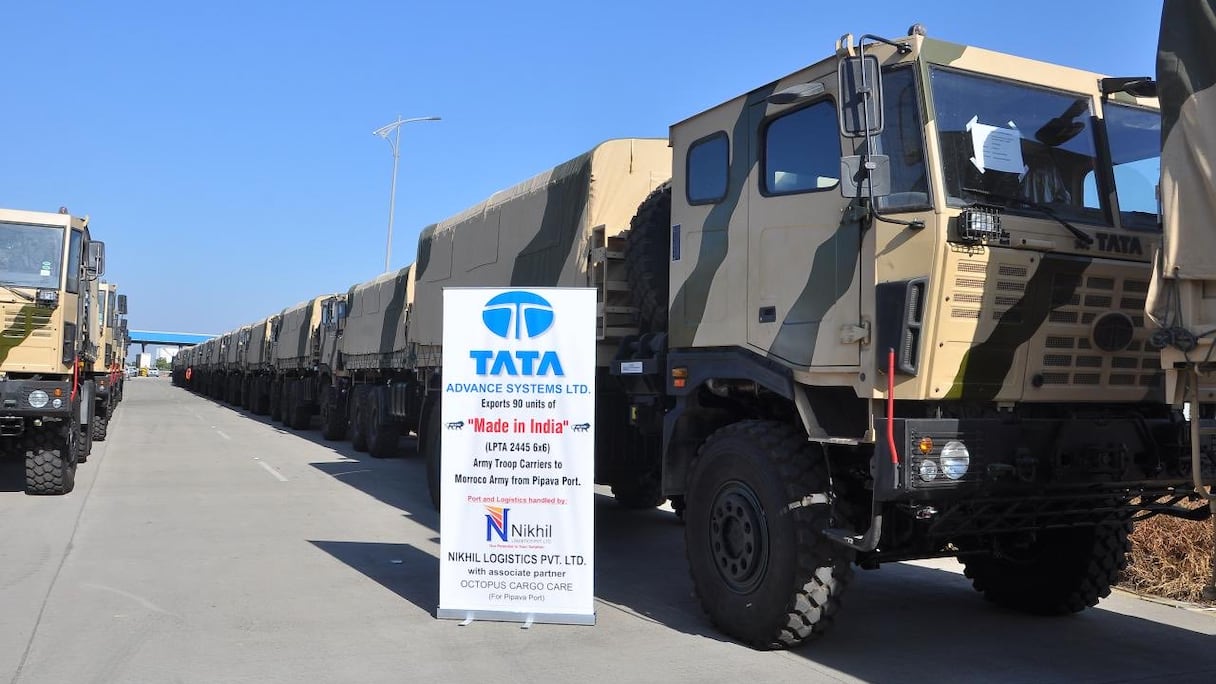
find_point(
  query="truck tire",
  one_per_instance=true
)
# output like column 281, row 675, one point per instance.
column 276, row 400
column 382, row 438
column 1062, row 571
column 358, row 423
column 101, row 425
column 50, row 459
column 333, row 418
column 761, row 570
column 300, row 416
column 431, row 447
column 646, row 259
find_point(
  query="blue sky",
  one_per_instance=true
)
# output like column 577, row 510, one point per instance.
column 224, row 150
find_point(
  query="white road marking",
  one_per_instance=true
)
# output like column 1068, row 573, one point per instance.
column 272, row 471
column 221, row 434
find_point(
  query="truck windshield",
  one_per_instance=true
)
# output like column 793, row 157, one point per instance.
column 1135, row 151
column 1016, row 146
column 30, row 255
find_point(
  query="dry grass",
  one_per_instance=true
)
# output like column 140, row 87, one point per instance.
column 1170, row 558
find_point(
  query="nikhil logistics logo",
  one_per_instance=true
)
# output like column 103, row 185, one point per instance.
column 517, row 315
column 498, row 525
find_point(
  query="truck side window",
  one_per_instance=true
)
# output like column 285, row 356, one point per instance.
column 708, row 163
column 903, row 142
column 802, row 150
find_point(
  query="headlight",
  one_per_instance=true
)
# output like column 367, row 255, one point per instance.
column 955, row 460
column 38, row 399
column 928, row 470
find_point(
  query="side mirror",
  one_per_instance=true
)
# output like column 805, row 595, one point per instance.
column 122, row 304
column 860, row 98
column 868, row 176
column 95, row 267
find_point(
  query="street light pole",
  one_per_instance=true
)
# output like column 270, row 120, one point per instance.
column 395, row 144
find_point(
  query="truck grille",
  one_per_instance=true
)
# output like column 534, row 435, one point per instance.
column 1062, row 352
column 37, row 321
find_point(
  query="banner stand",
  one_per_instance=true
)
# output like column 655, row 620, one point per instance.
column 517, row 497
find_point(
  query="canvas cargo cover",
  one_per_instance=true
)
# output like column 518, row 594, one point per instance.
column 235, row 351
column 537, row 233
column 257, row 351
column 376, row 316
column 1186, row 77
column 296, row 330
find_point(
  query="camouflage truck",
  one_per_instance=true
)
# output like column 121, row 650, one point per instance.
column 296, row 339
column 234, row 364
column 890, row 307
column 48, row 266
column 257, row 371
column 561, row 228
column 368, row 379
column 1183, row 301
column 106, row 370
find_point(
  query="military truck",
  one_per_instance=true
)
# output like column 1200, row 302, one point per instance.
column 890, row 307
column 1182, row 303
column 563, row 227
column 256, row 368
column 296, row 343
column 106, row 370
column 48, row 264
column 367, row 369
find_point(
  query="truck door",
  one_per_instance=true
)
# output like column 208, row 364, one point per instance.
column 803, row 276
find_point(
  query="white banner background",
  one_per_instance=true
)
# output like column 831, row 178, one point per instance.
column 517, row 502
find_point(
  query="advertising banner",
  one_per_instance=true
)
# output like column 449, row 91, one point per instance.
column 518, row 421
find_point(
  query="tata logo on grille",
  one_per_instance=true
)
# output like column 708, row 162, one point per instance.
column 518, row 315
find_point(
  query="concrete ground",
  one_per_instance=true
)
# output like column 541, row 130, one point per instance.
column 203, row 544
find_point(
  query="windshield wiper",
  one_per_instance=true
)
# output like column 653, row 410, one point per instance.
column 17, row 292
column 1082, row 238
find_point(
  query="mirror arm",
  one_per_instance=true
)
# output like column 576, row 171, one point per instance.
column 903, row 48
column 866, row 164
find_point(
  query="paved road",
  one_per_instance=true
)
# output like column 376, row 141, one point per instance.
column 205, row 545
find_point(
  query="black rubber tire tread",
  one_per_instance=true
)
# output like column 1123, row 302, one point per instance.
column 647, row 260
column 431, row 449
column 1068, row 570
column 101, row 426
column 800, row 590
column 261, row 400
column 50, row 468
column 333, row 420
column 276, row 400
column 358, row 424
column 382, row 438
column 639, row 490
column 300, row 417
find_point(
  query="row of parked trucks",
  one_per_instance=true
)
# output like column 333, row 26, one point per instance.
column 62, row 346
column 888, row 307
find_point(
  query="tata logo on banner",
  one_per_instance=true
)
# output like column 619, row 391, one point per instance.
column 517, row 315
column 499, row 525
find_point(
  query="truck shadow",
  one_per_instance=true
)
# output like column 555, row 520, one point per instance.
column 903, row 623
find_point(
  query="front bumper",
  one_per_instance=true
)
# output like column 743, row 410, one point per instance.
column 1028, row 457
column 15, row 398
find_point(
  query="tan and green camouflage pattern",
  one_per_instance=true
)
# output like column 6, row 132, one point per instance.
column 31, row 336
column 297, row 345
column 377, row 317
column 256, row 354
column 536, row 234
column 1002, row 324
column 1184, row 293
